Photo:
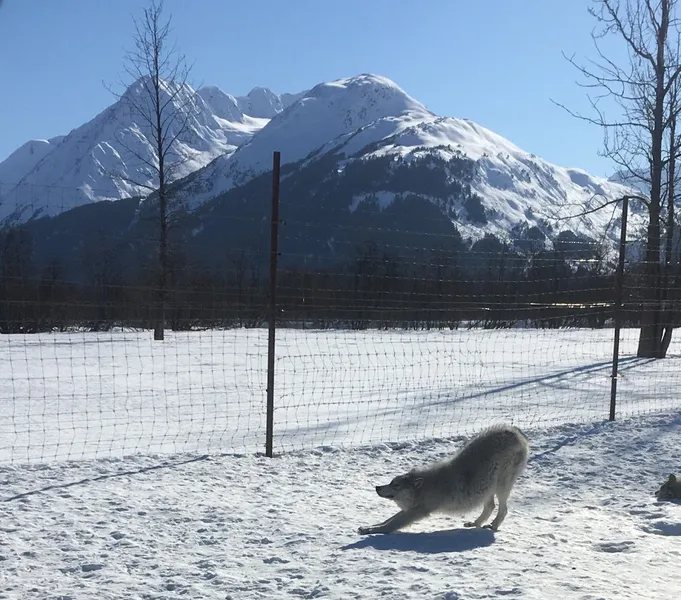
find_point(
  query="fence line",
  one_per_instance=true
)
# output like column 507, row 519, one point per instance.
column 388, row 328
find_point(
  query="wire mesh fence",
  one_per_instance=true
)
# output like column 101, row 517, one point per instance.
column 387, row 329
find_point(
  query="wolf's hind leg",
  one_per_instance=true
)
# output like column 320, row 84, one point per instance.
column 484, row 515
column 503, row 492
column 502, row 496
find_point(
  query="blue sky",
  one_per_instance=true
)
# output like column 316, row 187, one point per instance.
column 496, row 62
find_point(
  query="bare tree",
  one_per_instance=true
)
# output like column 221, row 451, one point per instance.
column 164, row 104
column 641, row 139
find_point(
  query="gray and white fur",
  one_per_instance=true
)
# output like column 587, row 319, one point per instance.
column 670, row 490
column 486, row 467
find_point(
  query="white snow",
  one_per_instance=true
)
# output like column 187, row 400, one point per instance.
column 326, row 112
column 22, row 160
column 223, row 105
column 263, row 103
column 515, row 186
column 108, row 158
column 583, row 523
column 97, row 395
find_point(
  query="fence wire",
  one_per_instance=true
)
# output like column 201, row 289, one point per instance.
column 384, row 334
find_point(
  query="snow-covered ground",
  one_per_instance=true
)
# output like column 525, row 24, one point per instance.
column 583, row 523
column 100, row 395
column 157, row 507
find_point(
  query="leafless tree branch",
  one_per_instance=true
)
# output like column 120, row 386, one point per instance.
column 641, row 138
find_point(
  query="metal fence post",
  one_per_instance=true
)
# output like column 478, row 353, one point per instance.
column 274, row 253
column 619, row 285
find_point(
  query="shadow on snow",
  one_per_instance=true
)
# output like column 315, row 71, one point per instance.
column 428, row 542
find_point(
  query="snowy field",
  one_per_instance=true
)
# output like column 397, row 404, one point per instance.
column 583, row 523
column 101, row 395
column 127, row 467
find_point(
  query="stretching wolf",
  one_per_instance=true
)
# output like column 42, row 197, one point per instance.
column 487, row 466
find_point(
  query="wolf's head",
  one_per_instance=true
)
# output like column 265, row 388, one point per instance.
column 670, row 490
column 403, row 490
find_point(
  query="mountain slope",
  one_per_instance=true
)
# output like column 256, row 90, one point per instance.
column 23, row 159
column 323, row 114
column 358, row 154
column 104, row 159
column 515, row 187
column 369, row 117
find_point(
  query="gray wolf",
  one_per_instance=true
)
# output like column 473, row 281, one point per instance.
column 487, row 466
column 670, row 490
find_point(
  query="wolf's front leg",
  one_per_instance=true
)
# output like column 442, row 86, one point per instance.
column 398, row 521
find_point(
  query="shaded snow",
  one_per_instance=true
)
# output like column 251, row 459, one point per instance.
column 383, row 199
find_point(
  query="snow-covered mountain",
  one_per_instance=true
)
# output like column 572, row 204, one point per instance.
column 104, row 159
column 372, row 140
column 15, row 167
column 326, row 113
column 369, row 116
column 370, row 178
column 264, row 103
column 260, row 102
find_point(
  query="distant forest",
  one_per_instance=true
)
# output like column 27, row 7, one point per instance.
column 489, row 284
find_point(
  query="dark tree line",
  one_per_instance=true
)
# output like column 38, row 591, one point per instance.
column 490, row 284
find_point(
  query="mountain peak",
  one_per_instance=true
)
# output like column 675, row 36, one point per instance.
column 370, row 90
column 260, row 91
column 224, row 105
column 107, row 158
column 139, row 92
column 330, row 111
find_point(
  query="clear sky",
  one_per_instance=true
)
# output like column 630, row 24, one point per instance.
column 497, row 62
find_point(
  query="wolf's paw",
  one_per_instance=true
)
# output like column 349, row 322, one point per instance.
column 490, row 526
column 364, row 530
column 469, row 524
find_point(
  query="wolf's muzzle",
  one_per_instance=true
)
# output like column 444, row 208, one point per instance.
column 383, row 491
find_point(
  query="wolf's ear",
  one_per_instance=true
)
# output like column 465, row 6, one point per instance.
column 417, row 483
column 672, row 478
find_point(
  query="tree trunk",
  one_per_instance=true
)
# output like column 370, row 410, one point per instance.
column 159, row 331
column 650, row 338
column 668, row 322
